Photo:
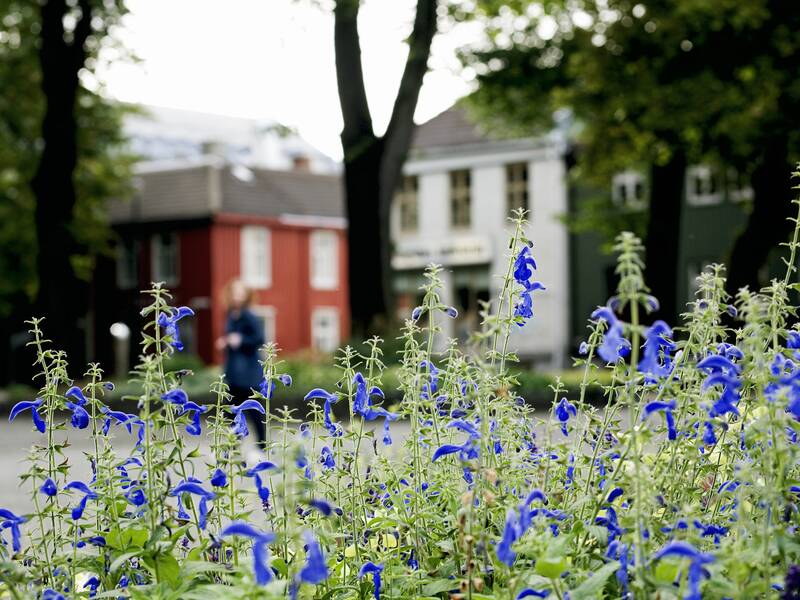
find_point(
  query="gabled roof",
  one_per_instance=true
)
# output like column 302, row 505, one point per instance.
column 202, row 188
column 453, row 127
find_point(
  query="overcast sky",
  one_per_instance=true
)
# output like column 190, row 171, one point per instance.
column 274, row 59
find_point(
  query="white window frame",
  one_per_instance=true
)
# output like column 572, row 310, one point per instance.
column 155, row 259
column 733, row 183
column 629, row 181
column 267, row 315
column 255, row 256
column 333, row 314
column 705, row 197
column 127, row 280
column 460, row 196
column 323, row 258
column 407, row 198
column 517, row 187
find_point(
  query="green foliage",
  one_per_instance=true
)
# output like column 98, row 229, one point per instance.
column 481, row 498
column 103, row 169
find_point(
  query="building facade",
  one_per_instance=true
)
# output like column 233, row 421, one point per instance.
column 452, row 208
column 198, row 224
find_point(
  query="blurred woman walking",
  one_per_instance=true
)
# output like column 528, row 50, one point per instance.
column 241, row 342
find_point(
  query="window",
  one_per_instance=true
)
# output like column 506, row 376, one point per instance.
column 460, row 198
column 128, row 264
column 738, row 185
column 517, row 186
column 702, row 186
column 165, row 258
column 628, row 190
column 255, row 257
column 325, row 329
column 266, row 318
column 324, row 255
column 407, row 202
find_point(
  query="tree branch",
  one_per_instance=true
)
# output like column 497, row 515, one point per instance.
column 83, row 29
column 401, row 125
column 357, row 130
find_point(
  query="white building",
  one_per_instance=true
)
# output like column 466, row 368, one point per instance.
column 452, row 208
column 169, row 134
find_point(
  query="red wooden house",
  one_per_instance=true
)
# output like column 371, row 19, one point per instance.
column 197, row 224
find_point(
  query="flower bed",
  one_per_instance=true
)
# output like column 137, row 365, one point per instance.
column 684, row 485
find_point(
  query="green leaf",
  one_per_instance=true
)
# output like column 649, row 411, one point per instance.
column 592, row 587
column 551, row 567
column 437, row 586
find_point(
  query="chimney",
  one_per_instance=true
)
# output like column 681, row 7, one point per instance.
column 302, row 163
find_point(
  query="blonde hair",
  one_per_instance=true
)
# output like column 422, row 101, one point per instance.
column 227, row 293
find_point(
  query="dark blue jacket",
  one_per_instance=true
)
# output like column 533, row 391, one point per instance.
column 241, row 364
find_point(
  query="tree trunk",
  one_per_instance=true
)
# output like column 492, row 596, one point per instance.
column 768, row 224
column 61, row 295
column 663, row 233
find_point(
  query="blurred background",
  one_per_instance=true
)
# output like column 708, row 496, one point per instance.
column 324, row 152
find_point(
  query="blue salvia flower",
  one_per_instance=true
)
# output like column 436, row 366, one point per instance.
column 314, row 570
column 179, row 398
column 564, row 410
column 267, row 388
column 194, row 487
column 656, row 362
column 51, row 594
column 362, row 404
column 8, row 520
column 49, row 488
column 417, row 313
column 261, row 540
column 666, row 407
column 697, row 561
column 723, row 372
column 80, row 418
column 333, row 429
column 121, row 418
column 88, row 494
column 619, row 551
column 532, row 593
column 570, row 475
column 376, row 570
column 510, row 534
column 611, row 523
column 219, row 478
column 169, row 322
column 431, row 386
column 33, row 406
column 92, row 584
column 323, row 506
column 239, row 423
column 709, row 437
column 255, row 473
column 614, row 346
column 326, row 458
column 466, row 451
column 524, row 265
column 717, row 531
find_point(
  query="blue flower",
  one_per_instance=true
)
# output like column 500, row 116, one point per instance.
column 267, row 388
column 614, row 346
column 376, row 570
column 618, row 550
column 524, row 265
column 717, row 531
column 511, row 532
column 362, row 404
column 168, row 320
column 530, row 592
column 318, row 393
column 219, row 478
column 194, row 487
column 697, row 560
column 323, row 506
column 466, row 451
column 9, row 520
column 665, row 407
column 564, row 409
column 261, row 541
column 49, row 488
column 33, row 406
column 709, row 437
column 88, row 494
column 121, row 418
column 51, row 594
column 326, row 458
column 314, row 570
column 255, row 473
column 239, row 423
column 724, row 373
column 656, row 363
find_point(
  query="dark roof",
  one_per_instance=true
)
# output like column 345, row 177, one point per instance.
column 180, row 192
column 453, row 127
column 276, row 193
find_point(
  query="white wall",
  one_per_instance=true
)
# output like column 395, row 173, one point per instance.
column 546, row 335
